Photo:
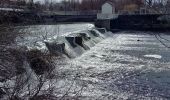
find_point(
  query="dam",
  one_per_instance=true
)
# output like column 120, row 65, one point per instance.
column 86, row 62
column 85, row 50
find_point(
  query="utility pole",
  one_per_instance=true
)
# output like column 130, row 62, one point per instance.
column 65, row 6
column 77, row 3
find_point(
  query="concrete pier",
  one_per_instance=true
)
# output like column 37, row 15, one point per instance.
column 103, row 23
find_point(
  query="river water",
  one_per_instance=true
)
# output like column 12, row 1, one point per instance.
column 130, row 65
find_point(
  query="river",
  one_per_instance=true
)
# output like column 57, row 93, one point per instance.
column 130, row 65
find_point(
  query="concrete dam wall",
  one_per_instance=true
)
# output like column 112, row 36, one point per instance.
column 75, row 44
column 38, row 61
column 68, row 46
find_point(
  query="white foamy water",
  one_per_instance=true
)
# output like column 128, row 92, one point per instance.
column 33, row 36
column 153, row 56
column 119, row 68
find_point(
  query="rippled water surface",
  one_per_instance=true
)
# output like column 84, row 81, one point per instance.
column 130, row 65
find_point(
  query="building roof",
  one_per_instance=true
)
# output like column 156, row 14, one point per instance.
column 110, row 2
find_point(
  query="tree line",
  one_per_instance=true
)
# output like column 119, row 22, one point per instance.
column 79, row 5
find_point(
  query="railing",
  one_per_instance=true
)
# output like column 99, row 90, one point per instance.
column 71, row 12
column 11, row 9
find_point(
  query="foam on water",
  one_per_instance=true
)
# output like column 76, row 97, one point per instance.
column 125, row 75
column 113, row 68
column 153, row 56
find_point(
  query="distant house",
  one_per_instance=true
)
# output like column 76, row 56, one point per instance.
column 134, row 8
column 108, row 8
column 131, row 7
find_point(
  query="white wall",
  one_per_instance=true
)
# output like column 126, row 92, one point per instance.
column 107, row 9
column 107, row 16
column 108, row 12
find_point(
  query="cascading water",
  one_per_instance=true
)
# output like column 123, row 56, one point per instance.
column 130, row 65
column 43, row 53
column 74, row 44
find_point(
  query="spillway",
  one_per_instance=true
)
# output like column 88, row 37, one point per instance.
column 88, row 64
column 44, row 49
